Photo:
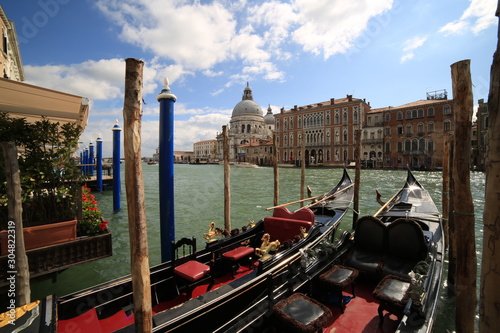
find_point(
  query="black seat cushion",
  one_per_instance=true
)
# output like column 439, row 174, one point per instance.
column 300, row 313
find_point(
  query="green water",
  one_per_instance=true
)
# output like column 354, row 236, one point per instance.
column 199, row 200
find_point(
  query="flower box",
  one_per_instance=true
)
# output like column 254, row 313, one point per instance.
column 43, row 235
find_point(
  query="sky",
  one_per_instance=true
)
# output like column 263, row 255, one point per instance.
column 296, row 52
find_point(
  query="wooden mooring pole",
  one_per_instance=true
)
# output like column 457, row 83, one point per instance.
column 15, row 223
column 445, row 196
column 139, row 257
column 463, row 209
column 227, row 179
column 489, row 310
column 276, row 172
column 302, row 169
column 357, row 156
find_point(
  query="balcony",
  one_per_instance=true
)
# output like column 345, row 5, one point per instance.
column 51, row 259
column 372, row 141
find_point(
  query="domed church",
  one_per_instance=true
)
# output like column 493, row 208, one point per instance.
column 247, row 125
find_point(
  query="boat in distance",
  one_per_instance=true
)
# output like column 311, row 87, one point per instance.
column 214, row 287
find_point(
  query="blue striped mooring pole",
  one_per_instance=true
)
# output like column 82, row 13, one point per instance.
column 166, row 169
column 116, row 166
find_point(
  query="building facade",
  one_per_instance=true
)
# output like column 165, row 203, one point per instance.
column 205, row 151
column 323, row 132
column 415, row 133
column 480, row 141
column 11, row 66
column 247, row 123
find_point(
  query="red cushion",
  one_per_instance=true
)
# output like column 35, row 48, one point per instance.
column 192, row 270
column 283, row 229
column 304, row 214
column 238, row 253
column 86, row 322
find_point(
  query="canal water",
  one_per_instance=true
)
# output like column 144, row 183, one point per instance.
column 199, row 200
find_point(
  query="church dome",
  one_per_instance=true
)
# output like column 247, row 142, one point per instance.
column 247, row 107
column 269, row 117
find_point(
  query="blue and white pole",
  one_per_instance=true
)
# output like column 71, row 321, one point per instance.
column 166, row 169
column 99, row 163
column 91, row 159
column 116, row 166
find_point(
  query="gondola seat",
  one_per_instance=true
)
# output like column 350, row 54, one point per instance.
column 236, row 256
column 369, row 245
column 192, row 272
column 337, row 278
column 285, row 225
column 300, row 313
column 393, row 293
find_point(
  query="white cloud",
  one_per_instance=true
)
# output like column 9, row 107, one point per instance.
column 330, row 27
column 410, row 45
column 479, row 16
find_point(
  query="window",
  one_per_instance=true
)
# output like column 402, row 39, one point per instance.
column 400, row 129
column 337, row 117
column 345, row 136
column 414, row 114
column 291, row 139
column 430, row 146
column 355, row 115
column 447, row 109
column 400, row 147
column 291, row 123
column 408, row 129
column 420, row 128
column 345, row 115
column 430, row 127
column 400, row 115
column 420, row 113
column 387, row 131
column 408, row 114
column 387, row 147
column 414, row 144
column 387, row 117
column 328, row 117
column 430, row 112
column 285, row 124
column 242, row 128
column 249, row 128
column 421, row 145
column 407, row 145
column 446, row 126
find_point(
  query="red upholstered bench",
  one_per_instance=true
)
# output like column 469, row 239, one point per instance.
column 237, row 255
column 192, row 270
column 285, row 225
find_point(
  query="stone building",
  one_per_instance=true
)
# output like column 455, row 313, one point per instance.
column 372, row 139
column 326, row 129
column 11, row 66
column 247, row 122
column 414, row 133
column 481, row 141
column 257, row 151
column 205, row 151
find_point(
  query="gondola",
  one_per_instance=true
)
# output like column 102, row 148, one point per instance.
column 384, row 276
column 238, row 273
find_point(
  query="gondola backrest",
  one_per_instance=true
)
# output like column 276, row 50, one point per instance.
column 406, row 240
column 285, row 225
column 370, row 234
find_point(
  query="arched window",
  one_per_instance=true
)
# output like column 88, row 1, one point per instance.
column 408, row 114
column 407, row 145
column 408, row 129
column 414, row 114
column 420, row 113
column 355, row 115
column 387, row 147
column 447, row 126
column 421, row 145
column 430, row 112
column 420, row 128
column 414, row 144
column 249, row 128
column 387, row 117
column 400, row 115
column 291, row 139
column 337, row 117
column 242, row 128
column 430, row 146
column 430, row 127
column 345, row 136
column 400, row 129
column 447, row 109
column 345, row 116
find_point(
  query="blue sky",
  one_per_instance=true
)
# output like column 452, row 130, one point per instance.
column 295, row 52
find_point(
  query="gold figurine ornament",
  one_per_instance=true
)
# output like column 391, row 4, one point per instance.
column 266, row 247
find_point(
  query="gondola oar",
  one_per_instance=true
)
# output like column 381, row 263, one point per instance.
column 328, row 197
column 294, row 202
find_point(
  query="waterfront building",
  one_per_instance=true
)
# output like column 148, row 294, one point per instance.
column 415, row 133
column 372, row 139
column 325, row 131
column 480, row 141
column 247, row 122
column 257, row 151
column 11, row 66
column 179, row 156
column 205, row 151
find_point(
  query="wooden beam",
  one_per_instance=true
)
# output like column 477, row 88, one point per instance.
column 463, row 209
column 227, row 179
column 489, row 312
column 15, row 212
column 139, row 257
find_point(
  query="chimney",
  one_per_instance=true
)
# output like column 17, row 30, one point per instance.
column 332, row 101
column 349, row 98
column 295, row 107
